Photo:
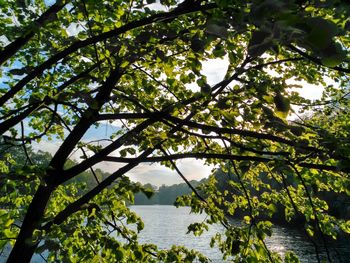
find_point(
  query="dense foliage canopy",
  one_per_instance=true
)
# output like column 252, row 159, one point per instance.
column 67, row 66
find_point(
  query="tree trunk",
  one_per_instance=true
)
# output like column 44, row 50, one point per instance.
column 24, row 247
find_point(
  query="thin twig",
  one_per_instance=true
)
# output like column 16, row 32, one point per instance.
column 313, row 210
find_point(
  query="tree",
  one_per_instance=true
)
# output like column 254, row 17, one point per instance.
column 77, row 64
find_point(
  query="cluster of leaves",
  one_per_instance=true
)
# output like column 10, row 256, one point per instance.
column 75, row 65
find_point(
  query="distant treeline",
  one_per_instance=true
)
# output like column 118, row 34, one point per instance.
column 165, row 195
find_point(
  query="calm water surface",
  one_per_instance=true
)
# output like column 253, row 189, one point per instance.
column 167, row 225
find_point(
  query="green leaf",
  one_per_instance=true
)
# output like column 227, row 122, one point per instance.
column 197, row 45
column 282, row 104
column 333, row 55
column 216, row 30
column 219, row 51
column 260, row 42
column 321, row 32
column 290, row 257
column 119, row 254
column 148, row 192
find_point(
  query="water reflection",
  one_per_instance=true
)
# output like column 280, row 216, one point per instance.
column 284, row 239
column 167, row 225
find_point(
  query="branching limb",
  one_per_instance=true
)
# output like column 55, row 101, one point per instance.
column 48, row 16
column 222, row 156
column 183, row 177
column 316, row 60
column 247, row 196
column 103, row 36
column 76, row 206
column 313, row 210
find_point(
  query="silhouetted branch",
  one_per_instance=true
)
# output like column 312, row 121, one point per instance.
column 48, row 15
column 222, row 157
column 316, row 60
column 103, row 36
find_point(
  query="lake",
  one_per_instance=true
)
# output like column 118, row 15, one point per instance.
column 167, row 225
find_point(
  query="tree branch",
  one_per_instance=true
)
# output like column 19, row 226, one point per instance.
column 83, row 43
column 205, row 155
column 234, row 131
column 86, row 120
column 126, row 115
column 234, row 143
column 183, row 177
column 76, row 206
column 316, row 60
column 48, row 15
column 5, row 125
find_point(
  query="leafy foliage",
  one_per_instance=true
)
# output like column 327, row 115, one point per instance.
column 75, row 65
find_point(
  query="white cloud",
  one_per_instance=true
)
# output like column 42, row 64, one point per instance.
column 215, row 69
column 47, row 146
column 74, row 28
column 156, row 174
column 307, row 90
column 159, row 175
